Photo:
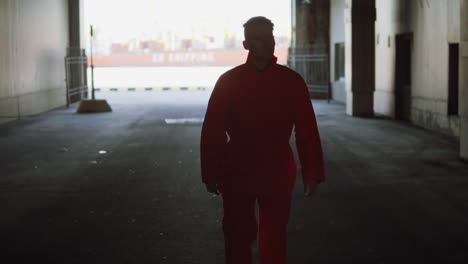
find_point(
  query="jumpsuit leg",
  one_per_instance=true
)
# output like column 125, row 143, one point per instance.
column 273, row 220
column 239, row 226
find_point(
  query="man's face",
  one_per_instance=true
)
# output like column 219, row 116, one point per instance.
column 260, row 42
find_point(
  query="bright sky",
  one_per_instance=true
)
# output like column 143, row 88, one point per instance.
column 123, row 19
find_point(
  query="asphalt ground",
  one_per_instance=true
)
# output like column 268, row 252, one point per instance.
column 124, row 187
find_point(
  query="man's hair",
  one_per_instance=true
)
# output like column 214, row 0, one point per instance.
column 254, row 21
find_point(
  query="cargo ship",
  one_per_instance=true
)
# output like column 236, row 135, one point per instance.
column 180, row 58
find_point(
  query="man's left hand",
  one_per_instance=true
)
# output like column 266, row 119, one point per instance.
column 212, row 188
column 310, row 188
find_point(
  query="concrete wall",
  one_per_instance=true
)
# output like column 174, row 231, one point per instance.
column 33, row 43
column 337, row 35
column 463, row 95
column 434, row 25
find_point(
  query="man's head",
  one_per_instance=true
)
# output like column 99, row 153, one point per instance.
column 259, row 39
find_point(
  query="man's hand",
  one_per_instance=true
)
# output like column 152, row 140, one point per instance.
column 310, row 188
column 212, row 188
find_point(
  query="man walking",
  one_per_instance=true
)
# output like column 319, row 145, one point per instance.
column 245, row 150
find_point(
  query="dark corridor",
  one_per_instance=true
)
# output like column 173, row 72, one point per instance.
column 403, row 77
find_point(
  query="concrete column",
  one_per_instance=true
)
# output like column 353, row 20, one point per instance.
column 311, row 37
column 303, row 23
column 463, row 85
column 301, row 37
column 76, row 42
column 76, row 23
column 359, row 57
column 311, row 22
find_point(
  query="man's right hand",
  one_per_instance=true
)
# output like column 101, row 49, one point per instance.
column 212, row 188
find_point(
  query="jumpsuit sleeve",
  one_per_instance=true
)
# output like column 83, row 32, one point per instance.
column 307, row 135
column 213, row 136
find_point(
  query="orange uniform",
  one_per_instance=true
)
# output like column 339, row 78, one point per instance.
column 245, row 150
column 258, row 110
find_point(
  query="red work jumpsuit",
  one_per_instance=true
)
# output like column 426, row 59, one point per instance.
column 258, row 110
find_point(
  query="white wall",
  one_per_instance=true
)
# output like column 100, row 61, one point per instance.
column 391, row 20
column 434, row 24
column 430, row 65
column 33, row 43
column 337, row 35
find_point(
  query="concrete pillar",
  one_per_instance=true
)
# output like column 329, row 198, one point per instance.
column 311, row 23
column 463, row 85
column 303, row 23
column 76, row 42
column 311, row 29
column 300, row 35
column 76, row 23
column 359, row 57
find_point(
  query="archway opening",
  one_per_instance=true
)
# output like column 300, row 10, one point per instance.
column 158, row 46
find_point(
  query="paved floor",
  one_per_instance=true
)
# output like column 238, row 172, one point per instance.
column 124, row 187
